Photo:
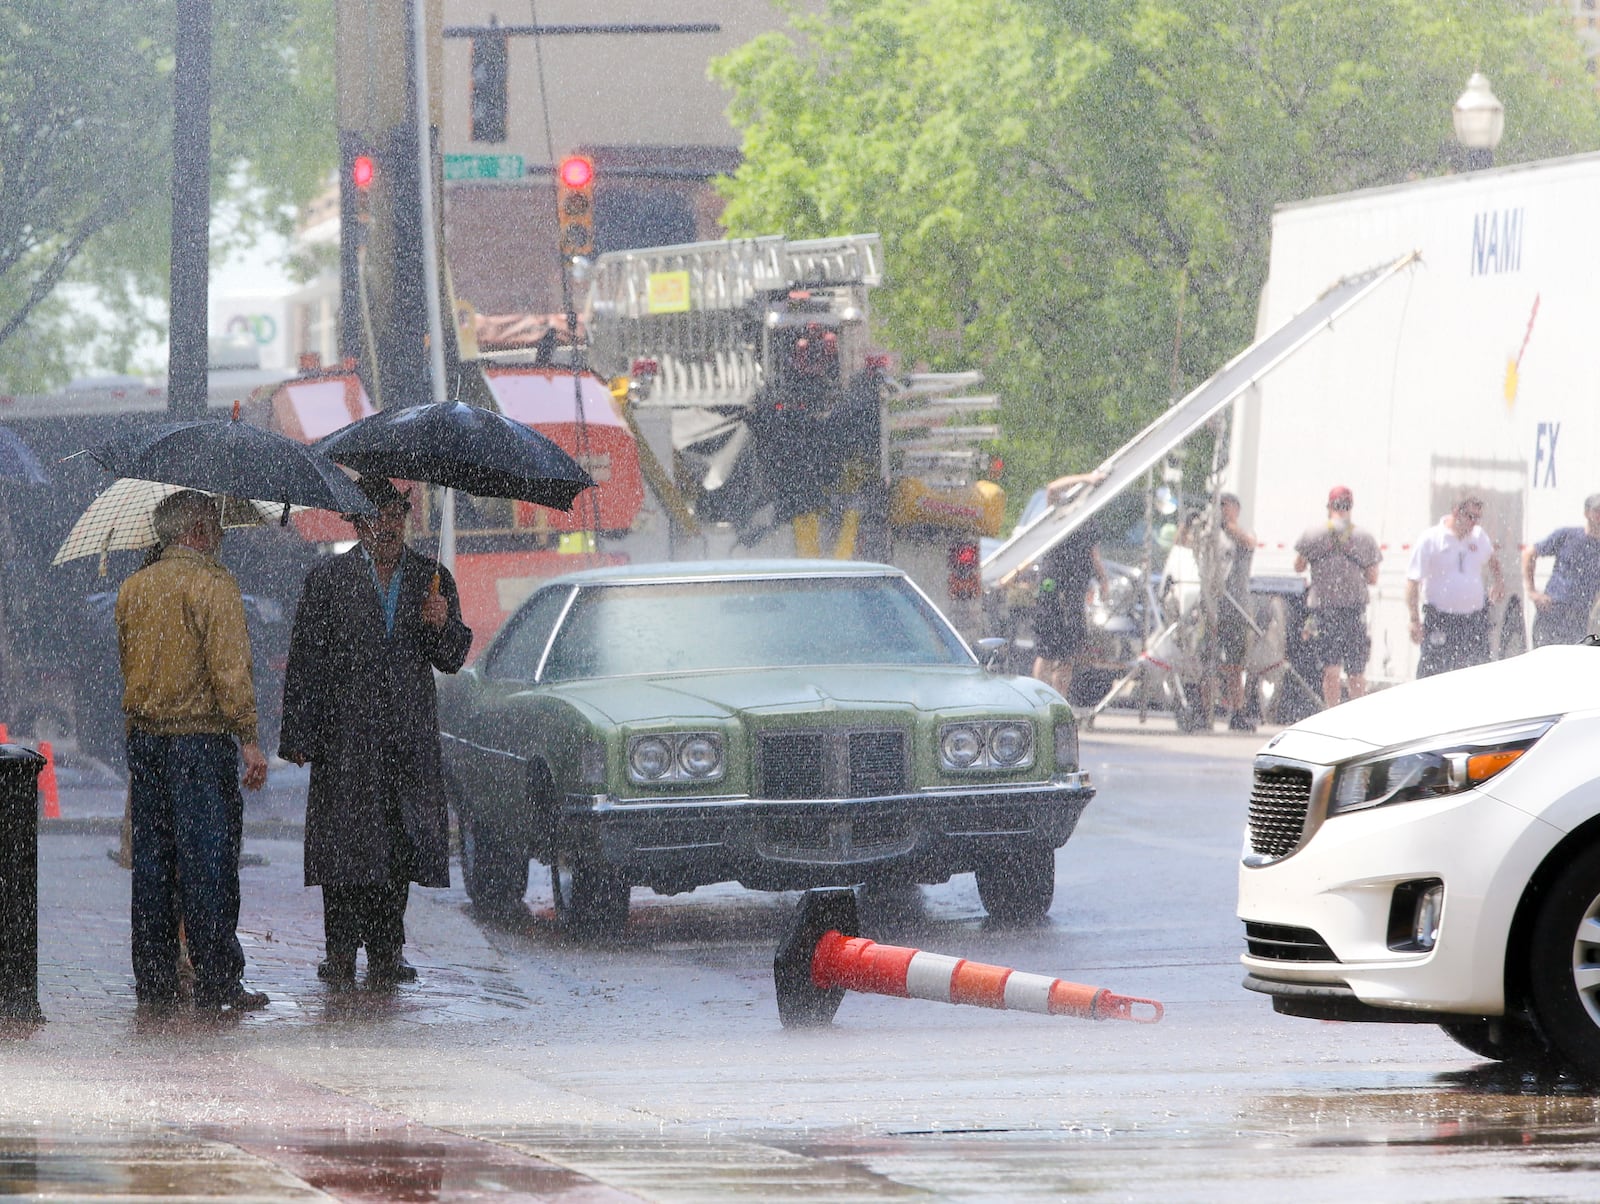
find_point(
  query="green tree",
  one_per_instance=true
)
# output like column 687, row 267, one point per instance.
column 86, row 155
column 1057, row 181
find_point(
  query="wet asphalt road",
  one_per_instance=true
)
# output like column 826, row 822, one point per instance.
column 522, row 1067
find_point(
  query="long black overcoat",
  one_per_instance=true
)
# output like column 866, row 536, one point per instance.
column 359, row 704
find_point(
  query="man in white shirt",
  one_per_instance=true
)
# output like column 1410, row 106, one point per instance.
column 1446, row 577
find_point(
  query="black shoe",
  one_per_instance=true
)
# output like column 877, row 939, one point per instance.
column 238, row 999
column 1241, row 723
column 341, row 972
column 386, row 973
column 157, row 1004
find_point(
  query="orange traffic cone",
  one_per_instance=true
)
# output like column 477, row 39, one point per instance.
column 47, row 782
column 818, row 962
column 5, row 736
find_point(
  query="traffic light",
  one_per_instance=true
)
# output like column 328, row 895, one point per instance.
column 362, row 172
column 489, row 72
column 966, row 578
column 575, row 204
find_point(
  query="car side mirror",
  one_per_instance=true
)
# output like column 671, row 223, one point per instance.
column 990, row 649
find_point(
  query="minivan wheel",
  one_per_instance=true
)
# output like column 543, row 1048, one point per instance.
column 1564, row 964
column 1503, row 1039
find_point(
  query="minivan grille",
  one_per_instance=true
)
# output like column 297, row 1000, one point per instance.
column 1279, row 800
column 1286, row 943
column 832, row 764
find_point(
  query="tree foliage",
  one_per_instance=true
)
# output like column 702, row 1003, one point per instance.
column 86, row 153
column 1076, row 195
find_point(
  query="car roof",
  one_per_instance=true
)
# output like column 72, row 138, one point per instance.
column 704, row 570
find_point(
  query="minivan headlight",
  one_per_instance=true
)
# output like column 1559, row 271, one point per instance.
column 1435, row 768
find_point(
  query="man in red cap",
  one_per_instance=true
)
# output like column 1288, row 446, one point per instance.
column 1342, row 561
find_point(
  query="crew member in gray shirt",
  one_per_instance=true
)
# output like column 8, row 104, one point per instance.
column 1342, row 561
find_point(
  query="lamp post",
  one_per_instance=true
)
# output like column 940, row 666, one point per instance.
column 1480, row 119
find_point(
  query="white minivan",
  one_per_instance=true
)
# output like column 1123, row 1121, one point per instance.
column 1431, row 854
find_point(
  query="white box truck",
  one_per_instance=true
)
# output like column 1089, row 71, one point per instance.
column 1476, row 370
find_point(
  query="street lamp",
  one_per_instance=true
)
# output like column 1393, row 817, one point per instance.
column 1480, row 119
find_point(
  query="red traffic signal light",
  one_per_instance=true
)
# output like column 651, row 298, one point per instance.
column 965, row 580
column 362, row 171
column 576, row 172
column 575, row 204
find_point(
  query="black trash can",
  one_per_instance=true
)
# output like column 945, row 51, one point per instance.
column 19, row 883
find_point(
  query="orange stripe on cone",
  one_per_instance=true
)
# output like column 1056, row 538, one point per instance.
column 857, row 964
column 979, row 985
column 47, row 782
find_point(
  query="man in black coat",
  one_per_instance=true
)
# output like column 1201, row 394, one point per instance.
column 359, row 705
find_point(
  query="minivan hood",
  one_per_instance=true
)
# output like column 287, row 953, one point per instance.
column 1547, row 681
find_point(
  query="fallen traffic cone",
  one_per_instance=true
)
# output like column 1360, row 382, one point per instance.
column 47, row 782
column 820, row 959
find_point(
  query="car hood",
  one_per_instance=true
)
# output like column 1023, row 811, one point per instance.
column 1547, row 681
column 806, row 689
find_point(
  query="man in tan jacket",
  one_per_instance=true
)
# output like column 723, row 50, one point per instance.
column 190, row 703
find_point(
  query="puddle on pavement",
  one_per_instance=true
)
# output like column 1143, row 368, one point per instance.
column 399, row 1166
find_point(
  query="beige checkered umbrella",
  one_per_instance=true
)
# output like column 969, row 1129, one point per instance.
column 121, row 519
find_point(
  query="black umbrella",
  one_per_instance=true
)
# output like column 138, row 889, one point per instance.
column 17, row 461
column 233, row 458
column 462, row 447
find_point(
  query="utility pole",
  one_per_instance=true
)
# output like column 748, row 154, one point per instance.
column 190, row 279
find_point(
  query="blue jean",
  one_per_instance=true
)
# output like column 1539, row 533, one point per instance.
column 188, row 821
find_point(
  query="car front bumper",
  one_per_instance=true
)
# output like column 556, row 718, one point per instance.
column 1326, row 924
column 792, row 844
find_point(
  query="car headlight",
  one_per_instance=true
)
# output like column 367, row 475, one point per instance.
column 649, row 757
column 1009, row 743
column 1435, row 768
column 675, row 757
column 699, row 756
column 960, row 747
column 1002, row 744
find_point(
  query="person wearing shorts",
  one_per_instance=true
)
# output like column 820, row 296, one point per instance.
column 1342, row 561
column 1060, row 627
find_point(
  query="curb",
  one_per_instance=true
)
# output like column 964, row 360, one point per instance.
column 106, row 825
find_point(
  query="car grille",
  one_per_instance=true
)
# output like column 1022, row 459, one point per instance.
column 1279, row 801
column 832, row 764
column 811, row 838
column 1285, row 943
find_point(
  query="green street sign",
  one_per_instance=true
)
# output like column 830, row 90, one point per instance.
column 483, row 167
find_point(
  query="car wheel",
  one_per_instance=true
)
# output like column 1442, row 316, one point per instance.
column 1505, row 1040
column 495, row 876
column 1564, row 964
column 591, row 898
column 1019, row 885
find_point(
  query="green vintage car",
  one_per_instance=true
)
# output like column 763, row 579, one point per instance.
column 782, row 724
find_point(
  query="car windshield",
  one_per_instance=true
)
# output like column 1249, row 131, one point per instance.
column 685, row 626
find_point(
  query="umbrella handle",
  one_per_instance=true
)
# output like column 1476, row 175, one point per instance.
column 435, row 588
